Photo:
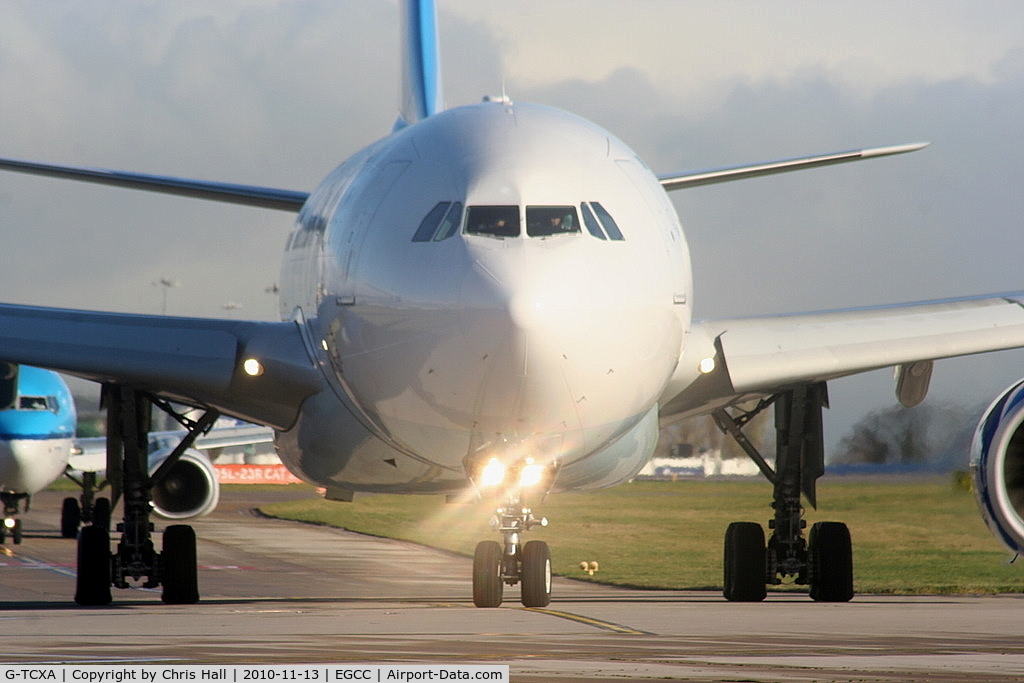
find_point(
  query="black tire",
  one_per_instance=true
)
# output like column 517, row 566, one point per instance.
column 16, row 532
column 180, row 574
column 487, row 583
column 101, row 513
column 744, row 575
column 70, row 518
column 831, row 557
column 536, row 574
column 92, row 587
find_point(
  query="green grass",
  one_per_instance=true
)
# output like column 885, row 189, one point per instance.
column 910, row 536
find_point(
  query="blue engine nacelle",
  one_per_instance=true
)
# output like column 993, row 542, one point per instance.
column 190, row 489
column 997, row 467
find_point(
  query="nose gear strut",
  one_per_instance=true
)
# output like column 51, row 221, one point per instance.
column 496, row 564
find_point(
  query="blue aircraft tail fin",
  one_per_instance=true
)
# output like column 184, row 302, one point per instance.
column 421, row 69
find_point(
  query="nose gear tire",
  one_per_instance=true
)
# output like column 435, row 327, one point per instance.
column 487, row 583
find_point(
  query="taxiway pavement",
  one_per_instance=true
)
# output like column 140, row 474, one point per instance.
column 276, row 591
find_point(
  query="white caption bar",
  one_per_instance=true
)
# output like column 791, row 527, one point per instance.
column 278, row 673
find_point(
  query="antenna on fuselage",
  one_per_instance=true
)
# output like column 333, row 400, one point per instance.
column 500, row 99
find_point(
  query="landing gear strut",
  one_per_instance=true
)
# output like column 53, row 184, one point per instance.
column 86, row 509
column 824, row 560
column 128, row 424
column 11, row 523
column 496, row 564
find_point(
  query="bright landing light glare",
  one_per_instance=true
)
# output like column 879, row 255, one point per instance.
column 531, row 475
column 492, row 474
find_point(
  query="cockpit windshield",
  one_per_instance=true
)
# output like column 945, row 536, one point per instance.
column 545, row 221
column 445, row 219
column 39, row 403
column 493, row 221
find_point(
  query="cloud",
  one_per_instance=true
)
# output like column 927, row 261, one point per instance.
column 277, row 93
column 253, row 93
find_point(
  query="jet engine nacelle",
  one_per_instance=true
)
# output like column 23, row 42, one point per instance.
column 997, row 467
column 190, row 489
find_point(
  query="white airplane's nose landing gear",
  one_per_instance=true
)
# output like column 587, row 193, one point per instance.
column 510, row 562
column 11, row 525
column 496, row 564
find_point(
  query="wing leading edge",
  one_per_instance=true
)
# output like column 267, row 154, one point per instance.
column 192, row 360
column 248, row 195
column 760, row 356
column 680, row 181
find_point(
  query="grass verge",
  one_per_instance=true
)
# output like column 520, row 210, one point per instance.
column 910, row 536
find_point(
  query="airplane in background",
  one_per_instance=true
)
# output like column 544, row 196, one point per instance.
column 37, row 434
column 496, row 298
column 38, row 445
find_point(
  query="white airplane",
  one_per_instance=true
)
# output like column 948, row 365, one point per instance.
column 188, row 486
column 497, row 297
column 37, row 433
column 38, row 445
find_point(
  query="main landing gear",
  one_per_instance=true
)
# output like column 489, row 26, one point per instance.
column 496, row 564
column 135, row 559
column 823, row 561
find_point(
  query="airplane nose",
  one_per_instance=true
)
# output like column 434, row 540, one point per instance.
column 526, row 312
column 547, row 346
column 574, row 349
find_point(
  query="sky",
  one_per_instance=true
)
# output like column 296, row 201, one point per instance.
column 278, row 93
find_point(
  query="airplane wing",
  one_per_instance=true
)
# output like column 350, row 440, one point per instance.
column 249, row 195
column 747, row 358
column 680, row 181
column 91, row 452
column 255, row 371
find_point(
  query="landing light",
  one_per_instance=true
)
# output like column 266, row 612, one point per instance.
column 252, row 367
column 531, row 475
column 9, row 522
column 706, row 366
column 492, row 474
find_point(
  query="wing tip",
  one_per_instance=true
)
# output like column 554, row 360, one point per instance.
column 893, row 149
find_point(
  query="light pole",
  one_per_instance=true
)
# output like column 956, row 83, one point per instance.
column 166, row 283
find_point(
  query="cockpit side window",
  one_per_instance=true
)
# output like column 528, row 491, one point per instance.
column 608, row 222
column 493, row 221
column 440, row 223
column 451, row 223
column 593, row 227
column 428, row 226
column 545, row 221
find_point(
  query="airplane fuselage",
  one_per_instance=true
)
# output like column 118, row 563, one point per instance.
column 36, row 433
column 498, row 280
